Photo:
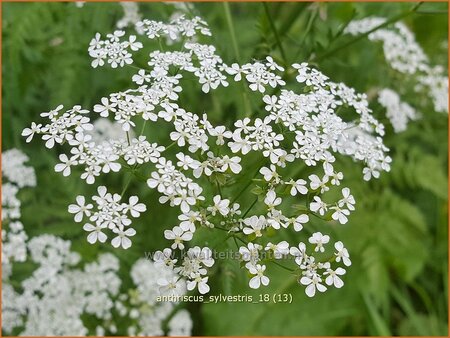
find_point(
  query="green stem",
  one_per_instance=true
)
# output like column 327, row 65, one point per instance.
column 170, row 145
column 247, row 185
column 282, row 266
column 226, row 8
column 138, row 68
column 244, row 92
column 309, row 25
column 126, row 185
column 143, row 127
column 251, row 206
column 160, row 44
column 241, row 192
column 218, row 187
column 244, row 242
column 235, row 242
column 128, row 138
column 275, row 33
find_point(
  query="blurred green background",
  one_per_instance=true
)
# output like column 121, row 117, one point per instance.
column 397, row 238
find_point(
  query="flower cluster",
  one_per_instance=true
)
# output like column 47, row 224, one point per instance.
column 131, row 15
column 16, row 175
column 399, row 45
column 311, row 272
column 405, row 55
column 301, row 128
column 399, row 113
column 177, row 189
column 37, row 310
column 61, row 127
column 97, row 156
column 141, row 303
column 92, row 291
column 109, row 213
column 15, row 170
column 179, row 27
column 258, row 74
column 317, row 129
column 192, row 268
column 114, row 50
column 34, row 307
column 89, row 290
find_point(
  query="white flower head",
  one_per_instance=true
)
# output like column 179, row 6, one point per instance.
column 259, row 278
column 319, row 240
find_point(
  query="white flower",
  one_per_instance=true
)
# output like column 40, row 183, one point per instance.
column 179, row 236
column 279, row 250
column 141, row 77
column 188, row 220
column 271, row 102
column 327, row 166
column 95, row 233
column 313, row 284
column 369, row 172
column 220, row 205
column 80, row 209
column 52, row 113
column 340, row 214
column 333, row 277
column 272, row 200
column 250, row 254
column 108, row 162
column 106, row 107
column 206, row 257
column 221, row 133
column 299, row 253
column 133, row 44
column 256, row 281
column 342, row 253
column 275, row 219
column 336, row 178
column 302, row 71
column 269, row 174
column 272, row 64
column 255, row 225
column 186, row 162
column 348, row 200
column 299, row 221
column 113, row 49
column 202, row 255
column 274, row 154
column 318, row 205
column 164, row 258
column 297, row 128
column 200, row 282
column 235, row 70
column 29, row 132
column 298, row 186
column 184, row 200
column 134, row 207
column 103, row 196
column 319, row 240
column 232, row 163
column 65, row 165
column 122, row 238
column 171, row 286
column 317, row 183
column 180, row 325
